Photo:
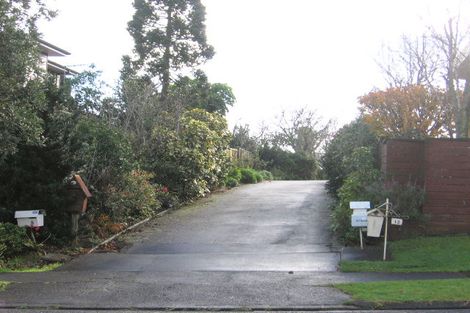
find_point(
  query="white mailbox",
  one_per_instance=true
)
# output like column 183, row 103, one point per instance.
column 359, row 216
column 29, row 218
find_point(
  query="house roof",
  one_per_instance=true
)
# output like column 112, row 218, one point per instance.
column 57, row 68
column 52, row 50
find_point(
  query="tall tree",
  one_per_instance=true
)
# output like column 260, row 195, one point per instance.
column 21, row 94
column 302, row 130
column 432, row 60
column 169, row 35
column 198, row 93
column 451, row 45
column 412, row 112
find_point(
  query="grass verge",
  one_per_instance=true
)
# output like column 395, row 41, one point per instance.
column 409, row 291
column 28, row 263
column 426, row 254
column 38, row 269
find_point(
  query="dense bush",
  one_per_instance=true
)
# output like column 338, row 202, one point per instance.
column 235, row 173
column 192, row 161
column 354, row 189
column 231, row 182
column 13, row 240
column 288, row 165
column 101, row 153
column 248, row 176
column 364, row 183
column 134, row 198
column 334, row 161
column 266, row 175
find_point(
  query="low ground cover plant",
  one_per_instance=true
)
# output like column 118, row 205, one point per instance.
column 237, row 176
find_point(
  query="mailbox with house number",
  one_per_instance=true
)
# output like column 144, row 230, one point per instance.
column 29, row 218
column 359, row 216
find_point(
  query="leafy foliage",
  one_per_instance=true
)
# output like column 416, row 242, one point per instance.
column 101, row 152
column 193, row 160
column 337, row 151
column 414, row 112
column 288, row 165
column 199, row 93
column 21, row 98
column 241, row 139
column 231, row 182
column 248, row 176
column 365, row 183
column 169, row 35
column 354, row 188
column 266, row 175
column 303, row 131
column 134, row 198
column 13, row 240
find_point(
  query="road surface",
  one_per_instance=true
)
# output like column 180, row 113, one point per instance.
column 264, row 246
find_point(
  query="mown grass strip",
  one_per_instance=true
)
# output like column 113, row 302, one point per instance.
column 409, row 291
column 427, row 254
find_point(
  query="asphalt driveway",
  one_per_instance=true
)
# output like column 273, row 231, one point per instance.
column 257, row 246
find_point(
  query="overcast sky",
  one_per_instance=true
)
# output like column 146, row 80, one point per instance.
column 275, row 54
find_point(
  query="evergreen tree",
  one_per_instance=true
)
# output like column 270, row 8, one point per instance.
column 169, row 35
column 21, row 95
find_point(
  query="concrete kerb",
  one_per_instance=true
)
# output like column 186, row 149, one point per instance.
column 437, row 305
column 320, row 308
column 353, row 306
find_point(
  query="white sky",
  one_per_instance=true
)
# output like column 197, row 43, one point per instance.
column 275, row 54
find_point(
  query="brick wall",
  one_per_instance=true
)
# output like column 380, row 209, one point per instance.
column 442, row 167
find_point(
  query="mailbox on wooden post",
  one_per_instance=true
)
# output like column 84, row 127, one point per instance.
column 79, row 195
column 359, row 216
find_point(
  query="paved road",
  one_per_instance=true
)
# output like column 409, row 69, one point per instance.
column 264, row 246
column 278, row 226
column 255, row 246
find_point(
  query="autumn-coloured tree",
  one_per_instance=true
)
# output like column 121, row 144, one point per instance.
column 433, row 60
column 408, row 112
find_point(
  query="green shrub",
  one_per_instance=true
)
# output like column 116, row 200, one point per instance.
column 134, row 199
column 406, row 200
column 355, row 188
column 259, row 177
column 102, row 153
column 13, row 240
column 166, row 198
column 365, row 183
column 248, row 176
column 338, row 150
column 288, row 165
column 267, row 175
column 231, row 182
column 236, row 174
column 193, row 160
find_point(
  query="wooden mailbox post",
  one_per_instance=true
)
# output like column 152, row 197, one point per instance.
column 79, row 195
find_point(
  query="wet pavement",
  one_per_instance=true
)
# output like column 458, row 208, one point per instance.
column 264, row 246
column 254, row 246
column 277, row 226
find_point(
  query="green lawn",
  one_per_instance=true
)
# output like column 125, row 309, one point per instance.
column 409, row 291
column 427, row 254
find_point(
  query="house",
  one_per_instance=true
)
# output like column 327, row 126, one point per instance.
column 60, row 71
